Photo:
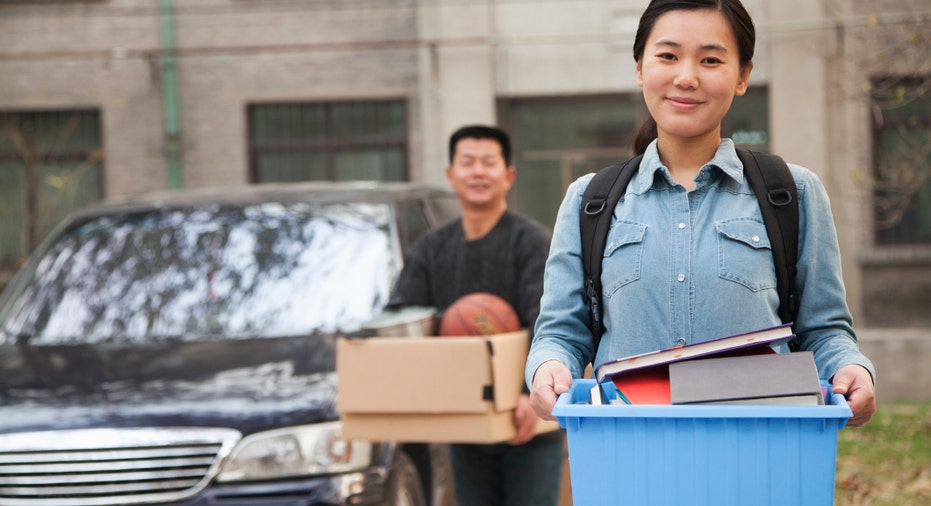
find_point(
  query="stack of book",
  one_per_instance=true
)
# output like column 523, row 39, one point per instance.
column 738, row 369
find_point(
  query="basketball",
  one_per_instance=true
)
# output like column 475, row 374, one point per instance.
column 479, row 314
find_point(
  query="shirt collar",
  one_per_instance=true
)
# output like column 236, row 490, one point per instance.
column 725, row 159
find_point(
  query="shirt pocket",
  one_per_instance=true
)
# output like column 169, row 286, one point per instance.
column 622, row 256
column 745, row 254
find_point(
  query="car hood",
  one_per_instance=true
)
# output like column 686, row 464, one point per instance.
column 245, row 384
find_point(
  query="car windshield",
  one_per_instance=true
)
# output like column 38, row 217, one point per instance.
column 237, row 271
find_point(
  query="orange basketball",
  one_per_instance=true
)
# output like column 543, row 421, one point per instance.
column 479, row 314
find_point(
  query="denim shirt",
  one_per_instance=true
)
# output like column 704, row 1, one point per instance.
column 688, row 266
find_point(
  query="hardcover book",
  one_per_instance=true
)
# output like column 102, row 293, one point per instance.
column 755, row 342
column 780, row 378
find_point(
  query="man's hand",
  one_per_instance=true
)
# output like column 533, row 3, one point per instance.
column 855, row 383
column 551, row 379
column 525, row 421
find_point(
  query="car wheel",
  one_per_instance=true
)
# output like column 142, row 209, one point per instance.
column 405, row 488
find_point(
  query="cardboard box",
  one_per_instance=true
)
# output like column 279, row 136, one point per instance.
column 432, row 389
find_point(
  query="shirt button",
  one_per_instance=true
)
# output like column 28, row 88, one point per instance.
column 755, row 238
column 681, row 225
column 680, row 341
column 681, row 277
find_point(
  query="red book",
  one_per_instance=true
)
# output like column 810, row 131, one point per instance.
column 649, row 386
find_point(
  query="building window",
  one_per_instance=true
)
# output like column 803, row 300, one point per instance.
column 51, row 162
column 902, row 155
column 557, row 140
column 328, row 141
column 747, row 121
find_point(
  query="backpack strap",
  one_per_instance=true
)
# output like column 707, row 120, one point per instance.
column 775, row 190
column 598, row 202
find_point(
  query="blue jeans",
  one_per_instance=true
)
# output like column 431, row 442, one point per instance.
column 505, row 475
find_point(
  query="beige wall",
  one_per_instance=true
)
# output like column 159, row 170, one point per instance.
column 801, row 51
column 106, row 55
column 451, row 60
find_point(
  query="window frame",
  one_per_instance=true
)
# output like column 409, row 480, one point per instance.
column 880, row 125
column 63, row 152
column 328, row 146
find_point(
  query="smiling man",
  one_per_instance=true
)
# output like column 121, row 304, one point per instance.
column 489, row 249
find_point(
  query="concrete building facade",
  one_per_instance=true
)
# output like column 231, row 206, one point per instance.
column 173, row 83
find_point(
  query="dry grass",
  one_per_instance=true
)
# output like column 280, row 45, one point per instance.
column 888, row 461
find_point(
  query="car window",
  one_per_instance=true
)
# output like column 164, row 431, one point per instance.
column 445, row 207
column 414, row 222
column 238, row 271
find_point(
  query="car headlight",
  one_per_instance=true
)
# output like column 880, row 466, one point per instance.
column 295, row 451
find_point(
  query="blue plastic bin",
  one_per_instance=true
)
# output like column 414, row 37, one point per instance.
column 700, row 455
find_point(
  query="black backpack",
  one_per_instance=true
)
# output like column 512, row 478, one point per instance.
column 775, row 190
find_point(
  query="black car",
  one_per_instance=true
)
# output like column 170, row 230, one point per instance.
column 179, row 348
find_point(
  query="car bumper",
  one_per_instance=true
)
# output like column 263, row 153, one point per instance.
column 360, row 488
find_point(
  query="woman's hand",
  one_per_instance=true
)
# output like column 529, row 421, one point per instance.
column 551, row 379
column 855, row 383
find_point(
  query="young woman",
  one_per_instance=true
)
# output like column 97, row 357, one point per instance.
column 674, row 272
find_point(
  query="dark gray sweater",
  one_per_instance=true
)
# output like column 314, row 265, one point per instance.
column 508, row 262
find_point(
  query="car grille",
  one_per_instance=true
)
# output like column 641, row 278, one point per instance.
column 109, row 466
